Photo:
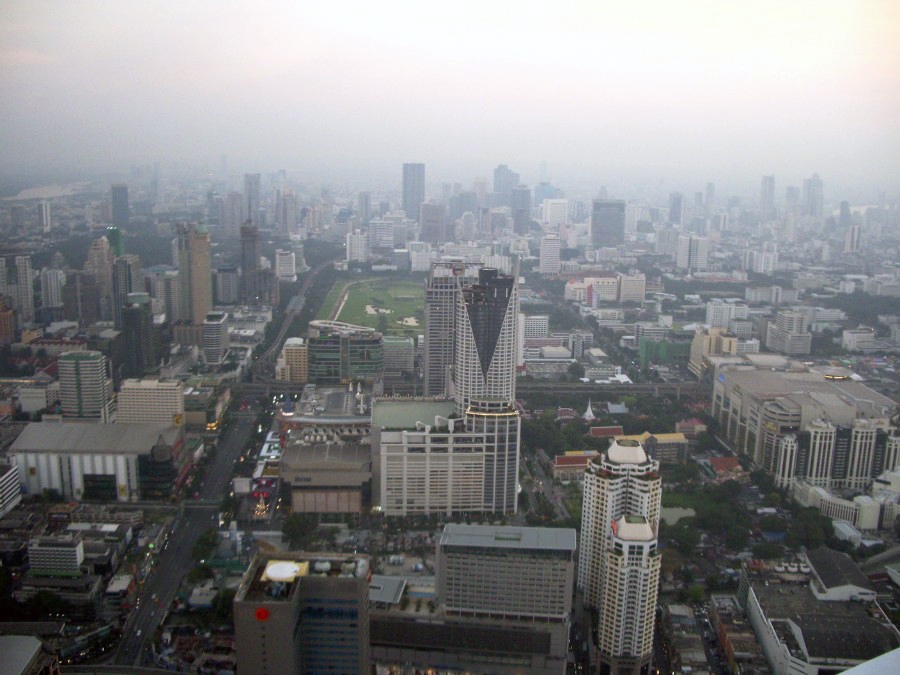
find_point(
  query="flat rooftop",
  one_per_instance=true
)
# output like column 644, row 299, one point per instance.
column 399, row 413
column 506, row 537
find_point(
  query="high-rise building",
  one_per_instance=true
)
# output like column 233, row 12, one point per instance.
column 215, row 337
column 364, row 209
column 303, row 613
column 285, row 266
column 194, row 273
column 433, row 224
column 719, row 312
column 441, row 295
column 44, row 220
column 121, row 214
column 24, row 289
column 116, row 244
column 813, row 198
column 505, row 181
column 228, row 285
column 150, row 401
column 52, row 282
column 99, row 263
column 676, row 208
column 692, row 253
column 520, row 201
column 788, row 334
column 607, row 223
column 81, row 298
column 767, row 198
column 231, row 213
column 618, row 568
column 140, row 336
column 357, row 246
column 250, row 264
column 126, row 279
column 85, row 391
column 287, row 213
column 556, row 212
column 413, row 189
column 292, row 365
column 251, row 197
column 549, row 261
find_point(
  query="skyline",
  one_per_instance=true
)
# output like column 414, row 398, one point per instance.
column 601, row 93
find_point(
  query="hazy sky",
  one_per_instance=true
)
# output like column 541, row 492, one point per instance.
column 685, row 91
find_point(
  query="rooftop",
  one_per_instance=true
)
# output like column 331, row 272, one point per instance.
column 19, row 651
column 837, row 569
column 626, row 452
column 397, row 413
column 103, row 438
column 634, row 528
column 499, row 536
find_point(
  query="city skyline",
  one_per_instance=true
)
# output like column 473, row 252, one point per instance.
column 685, row 90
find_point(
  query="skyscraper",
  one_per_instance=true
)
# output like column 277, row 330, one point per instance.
column 99, row 264
column 251, row 197
column 441, row 294
column 250, row 252
column 433, row 225
column 813, row 198
column 607, row 223
column 520, row 200
column 126, row 280
column 24, row 289
column 85, row 391
column 549, row 261
column 618, row 559
column 121, row 215
column 413, row 189
column 505, row 181
column 114, row 237
column 140, row 336
column 44, row 221
column 692, row 253
column 676, row 208
column 365, row 207
column 81, row 298
column 194, row 272
column 767, row 198
column 52, row 282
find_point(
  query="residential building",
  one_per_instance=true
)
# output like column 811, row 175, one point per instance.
column 357, row 245
column 549, row 260
column 285, row 266
column 52, row 283
column 292, row 365
column 215, row 337
column 720, row 312
column 24, row 297
column 788, row 334
column 710, row 342
column 692, row 253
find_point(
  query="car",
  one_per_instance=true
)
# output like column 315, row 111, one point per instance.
column 138, row 632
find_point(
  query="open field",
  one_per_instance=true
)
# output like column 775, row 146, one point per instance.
column 393, row 307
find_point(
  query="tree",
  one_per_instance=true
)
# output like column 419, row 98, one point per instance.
column 199, row 573
column 223, row 605
column 205, row 545
column 576, row 371
column 297, row 530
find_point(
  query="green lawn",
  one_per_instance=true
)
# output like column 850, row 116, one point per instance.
column 399, row 300
column 332, row 299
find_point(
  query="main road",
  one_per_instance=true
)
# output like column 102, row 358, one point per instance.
column 159, row 588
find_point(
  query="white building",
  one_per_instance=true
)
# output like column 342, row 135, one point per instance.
column 357, row 246
column 285, row 266
column 150, row 401
column 556, row 212
column 85, row 390
column 215, row 337
column 692, row 253
column 549, row 261
column 52, row 282
column 719, row 312
column 10, row 489
column 632, row 288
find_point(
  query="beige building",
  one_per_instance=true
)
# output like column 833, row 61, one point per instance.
column 151, row 401
column 333, row 477
column 293, row 365
column 710, row 342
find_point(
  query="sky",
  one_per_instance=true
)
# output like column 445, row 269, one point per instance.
column 677, row 91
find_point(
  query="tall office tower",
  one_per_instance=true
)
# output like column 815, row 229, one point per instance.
column 99, row 263
column 433, row 224
column 230, row 216
column 413, row 189
column 676, row 208
column 140, row 336
column 365, row 207
column 194, row 273
column 607, row 223
column 303, row 613
column 505, row 181
column 813, row 198
column 767, row 198
column 852, row 239
column 52, row 283
column 441, row 296
column 227, row 285
column 549, row 261
column 114, row 237
column 484, row 368
column 126, row 279
column 287, row 213
column 250, row 266
column 44, row 221
column 621, row 487
column 81, row 298
column 121, row 216
column 24, row 289
column 692, row 253
column 85, row 391
column 520, row 201
column 215, row 337
column 150, row 402
column 251, row 197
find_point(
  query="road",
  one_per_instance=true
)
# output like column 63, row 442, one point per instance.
column 261, row 368
column 160, row 587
